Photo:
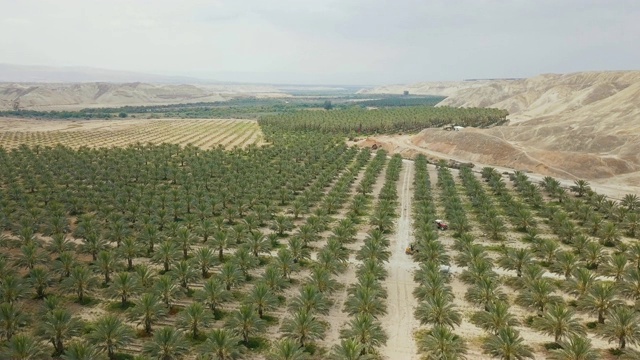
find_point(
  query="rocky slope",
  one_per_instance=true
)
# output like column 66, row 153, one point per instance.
column 581, row 125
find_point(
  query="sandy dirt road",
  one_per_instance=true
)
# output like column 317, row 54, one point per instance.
column 399, row 322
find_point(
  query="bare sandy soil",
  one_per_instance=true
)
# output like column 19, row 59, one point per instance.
column 399, row 321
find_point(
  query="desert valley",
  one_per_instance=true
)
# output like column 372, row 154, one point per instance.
column 168, row 221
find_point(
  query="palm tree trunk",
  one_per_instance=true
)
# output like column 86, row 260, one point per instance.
column 147, row 326
column 623, row 342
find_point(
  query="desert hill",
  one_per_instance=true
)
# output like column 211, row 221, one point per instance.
column 46, row 96
column 582, row 125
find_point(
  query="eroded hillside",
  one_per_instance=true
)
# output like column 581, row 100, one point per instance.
column 582, row 125
column 85, row 95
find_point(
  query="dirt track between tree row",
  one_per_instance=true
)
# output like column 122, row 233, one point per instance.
column 399, row 322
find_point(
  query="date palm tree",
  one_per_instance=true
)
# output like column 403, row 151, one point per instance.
column 631, row 202
column 507, row 345
column 609, row 234
column 213, row 294
column 565, row 263
column 287, row 349
column 129, row 249
column 124, row 286
column 168, row 290
column 23, row 347
column 580, row 283
column 80, row 281
column 167, row 344
column 515, row 259
column 495, row 226
column 274, row 279
column 221, row 344
column 166, row 254
column 109, row 333
column 30, row 256
column 441, row 343
column 366, row 331
column 221, row 241
column 147, row 310
column 81, row 350
column 438, row 311
column 106, row 263
column 560, row 322
column 538, row 294
column 64, row 264
column 257, row 243
column 623, row 326
column 365, row 300
column 204, row 259
column 12, row 288
column 580, row 187
column 322, row 279
column 193, row 317
column 40, row 280
column 262, row 298
column 485, row 292
column 185, row 273
column 632, row 223
column 245, row 260
column 230, row 275
column 286, row 262
column 629, row 287
column 146, row 275
column 348, row 349
column 56, row 327
column 245, row 322
column 185, row 238
column 600, row 299
column 575, row 348
column 615, row 266
column 310, row 299
column 11, row 319
column 302, row 327
column 496, row 317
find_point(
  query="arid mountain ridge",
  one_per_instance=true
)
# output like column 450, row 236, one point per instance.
column 581, row 125
column 74, row 96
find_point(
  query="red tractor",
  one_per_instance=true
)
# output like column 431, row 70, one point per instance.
column 441, row 225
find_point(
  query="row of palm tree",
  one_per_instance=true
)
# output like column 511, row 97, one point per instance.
column 486, row 211
column 304, row 324
column 186, row 257
column 434, row 294
column 384, row 120
column 592, row 295
column 366, row 299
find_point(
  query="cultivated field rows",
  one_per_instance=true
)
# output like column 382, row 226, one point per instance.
column 205, row 134
column 532, row 251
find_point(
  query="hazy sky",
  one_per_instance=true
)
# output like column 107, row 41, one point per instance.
column 325, row 41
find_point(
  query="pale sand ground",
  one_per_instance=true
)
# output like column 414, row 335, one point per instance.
column 399, row 321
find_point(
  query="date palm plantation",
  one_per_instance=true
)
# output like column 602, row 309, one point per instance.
column 287, row 243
